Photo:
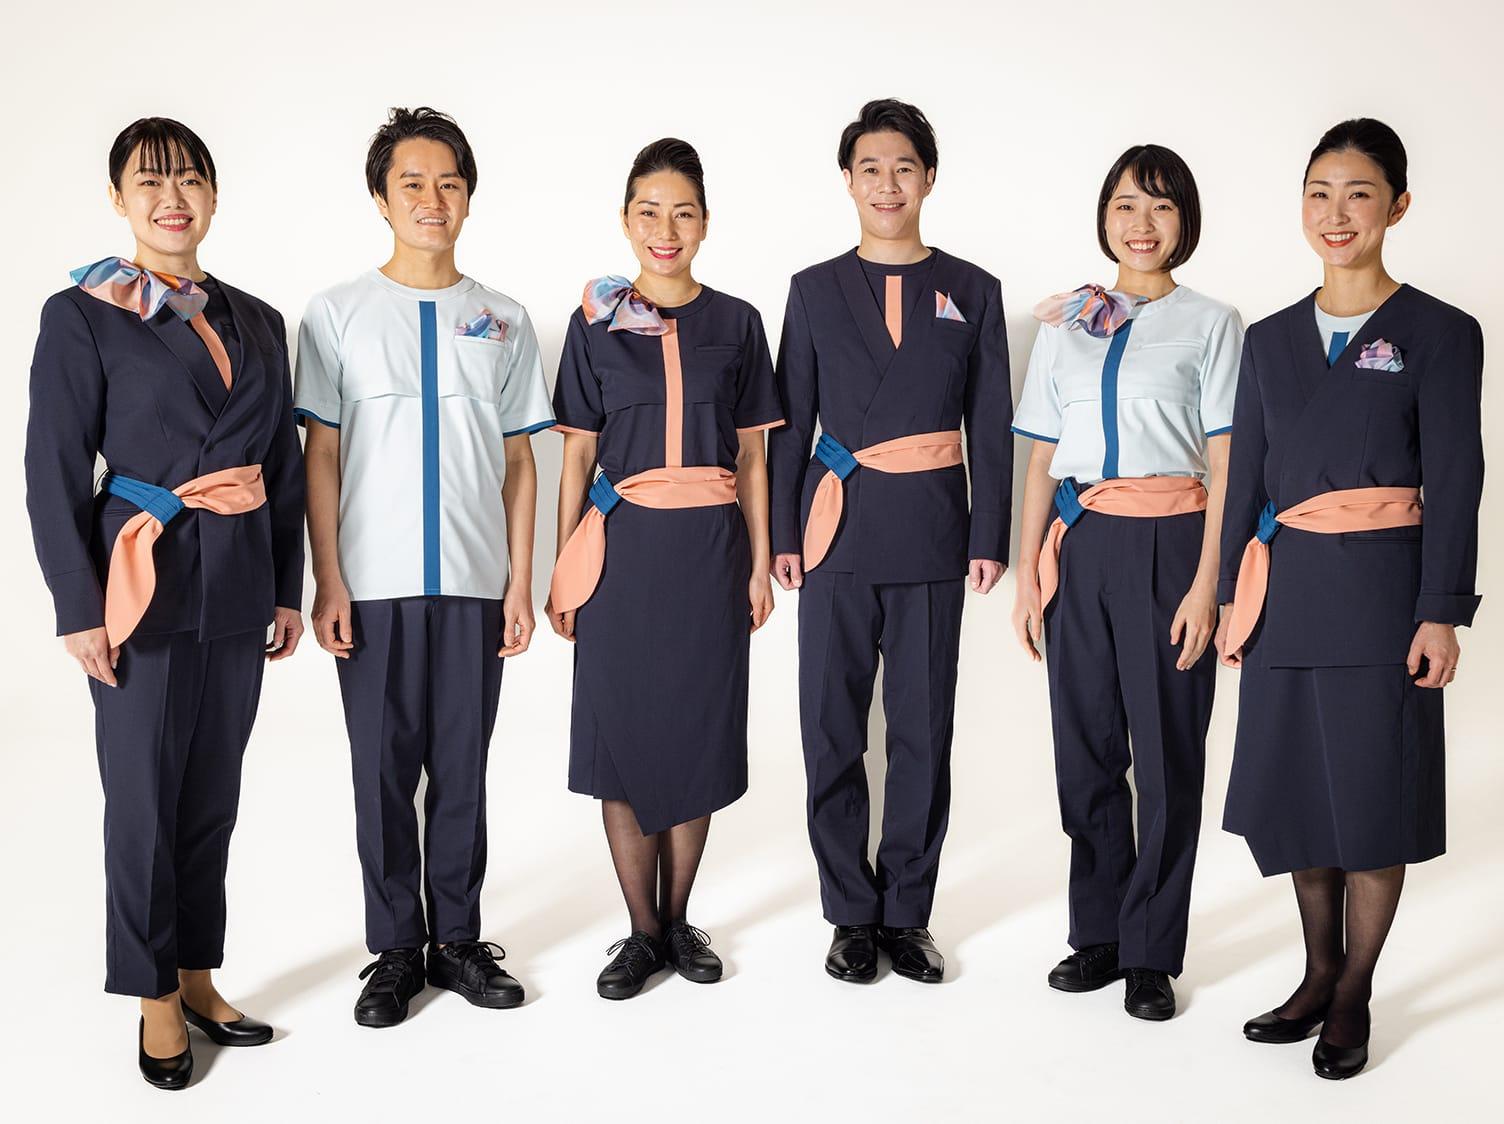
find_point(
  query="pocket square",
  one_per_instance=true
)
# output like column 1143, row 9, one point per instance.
column 485, row 326
column 1381, row 355
column 945, row 308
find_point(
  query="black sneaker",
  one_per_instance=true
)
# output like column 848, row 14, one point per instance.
column 635, row 958
column 1087, row 969
column 469, row 968
column 688, row 950
column 1148, row 995
column 396, row 976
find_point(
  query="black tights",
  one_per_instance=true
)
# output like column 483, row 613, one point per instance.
column 657, row 871
column 1345, row 917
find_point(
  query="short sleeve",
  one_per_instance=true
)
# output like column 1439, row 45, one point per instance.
column 757, row 403
column 1219, row 373
column 524, row 395
column 316, row 387
column 578, row 406
column 1038, row 413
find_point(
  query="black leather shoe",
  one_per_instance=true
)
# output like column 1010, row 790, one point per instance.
column 853, row 954
column 1148, row 995
column 164, row 1073
column 1270, row 1027
column 396, row 976
column 688, row 950
column 634, row 960
column 1338, row 1063
column 913, row 953
column 244, row 1031
column 1087, row 969
column 469, row 968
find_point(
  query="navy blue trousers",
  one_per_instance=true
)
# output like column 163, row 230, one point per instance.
column 170, row 740
column 844, row 626
column 1113, row 682
column 421, row 689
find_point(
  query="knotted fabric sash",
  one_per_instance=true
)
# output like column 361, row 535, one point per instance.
column 1138, row 497
column 921, row 452
column 1331, row 513
column 578, row 568
column 133, row 572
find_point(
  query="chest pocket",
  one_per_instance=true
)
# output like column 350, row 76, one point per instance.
column 710, row 374
column 1167, row 371
column 477, row 369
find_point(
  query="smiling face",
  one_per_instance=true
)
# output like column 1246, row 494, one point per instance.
column 169, row 209
column 889, row 183
column 665, row 223
column 427, row 199
column 1142, row 229
column 1347, row 208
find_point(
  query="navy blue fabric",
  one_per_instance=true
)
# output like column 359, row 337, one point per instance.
column 838, row 370
column 1301, row 429
column 148, row 398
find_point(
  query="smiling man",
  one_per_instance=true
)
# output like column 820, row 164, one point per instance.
column 420, row 387
column 890, row 348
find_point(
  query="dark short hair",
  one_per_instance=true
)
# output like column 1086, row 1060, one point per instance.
column 1162, row 174
column 889, row 115
column 405, row 124
column 167, row 146
column 1372, row 139
column 670, row 154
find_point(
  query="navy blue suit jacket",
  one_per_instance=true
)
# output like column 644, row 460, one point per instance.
column 1301, row 429
column 148, row 398
column 837, row 366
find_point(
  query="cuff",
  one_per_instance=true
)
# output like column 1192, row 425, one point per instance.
column 1446, row 608
column 785, row 534
column 1227, row 588
column 78, row 600
column 535, row 427
column 301, row 416
column 989, row 536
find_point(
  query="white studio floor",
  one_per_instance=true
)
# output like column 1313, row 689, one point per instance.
column 776, row 1038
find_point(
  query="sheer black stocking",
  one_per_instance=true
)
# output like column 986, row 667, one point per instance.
column 1319, row 894
column 678, row 861
column 1372, row 898
column 635, row 856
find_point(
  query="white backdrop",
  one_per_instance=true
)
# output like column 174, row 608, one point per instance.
column 1031, row 103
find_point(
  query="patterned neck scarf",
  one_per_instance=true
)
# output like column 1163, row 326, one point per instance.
column 614, row 298
column 1099, row 311
column 142, row 291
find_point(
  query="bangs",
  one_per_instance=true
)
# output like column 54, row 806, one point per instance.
column 160, row 145
column 1160, row 173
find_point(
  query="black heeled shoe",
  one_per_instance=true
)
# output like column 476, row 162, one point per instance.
column 1338, row 1063
column 163, row 1073
column 244, row 1031
column 1272, row 1028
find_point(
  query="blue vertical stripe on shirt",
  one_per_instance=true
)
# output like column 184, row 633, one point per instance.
column 429, row 348
column 1336, row 348
column 1110, row 367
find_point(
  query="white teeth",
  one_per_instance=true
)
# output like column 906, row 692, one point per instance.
column 1338, row 239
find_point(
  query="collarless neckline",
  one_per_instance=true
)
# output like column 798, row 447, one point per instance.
column 464, row 284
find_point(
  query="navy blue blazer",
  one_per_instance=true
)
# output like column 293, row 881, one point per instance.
column 147, row 397
column 837, row 365
column 1301, row 428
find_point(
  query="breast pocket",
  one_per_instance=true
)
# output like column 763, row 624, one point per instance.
column 711, row 374
column 477, row 370
column 1393, row 380
column 1167, row 371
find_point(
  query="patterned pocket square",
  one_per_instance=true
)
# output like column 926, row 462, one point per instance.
column 485, row 326
column 1381, row 355
column 945, row 308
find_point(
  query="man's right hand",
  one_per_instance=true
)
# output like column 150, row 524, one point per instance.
column 332, row 624
column 91, row 648
column 788, row 570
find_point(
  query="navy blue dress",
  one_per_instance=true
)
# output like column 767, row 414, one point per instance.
column 1340, row 758
column 659, row 717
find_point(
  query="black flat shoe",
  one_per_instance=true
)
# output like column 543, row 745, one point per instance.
column 469, row 968
column 164, row 1073
column 396, row 976
column 853, row 954
column 1148, row 995
column 1087, row 969
column 1338, row 1063
column 1270, row 1027
column 688, row 950
column 913, row 953
column 634, row 960
column 244, row 1031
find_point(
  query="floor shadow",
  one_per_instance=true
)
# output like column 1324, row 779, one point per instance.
column 292, row 983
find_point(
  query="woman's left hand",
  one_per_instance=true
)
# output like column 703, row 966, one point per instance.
column 1196, row 620
column 517, row 621
column 287, row 629
column 1437, row 644
column 760, row 598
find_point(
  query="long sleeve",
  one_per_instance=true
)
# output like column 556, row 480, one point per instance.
column 285, row 492
column 1451, row 457
column 1245, row 475
column 988, row 413
column 63, row 433
column 789, row 445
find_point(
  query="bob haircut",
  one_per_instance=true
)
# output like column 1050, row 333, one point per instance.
column 167, row 146
column 668, row 155
column 1372, row 139
column 1162, row 174
column 889, row 115
column 405, row 124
